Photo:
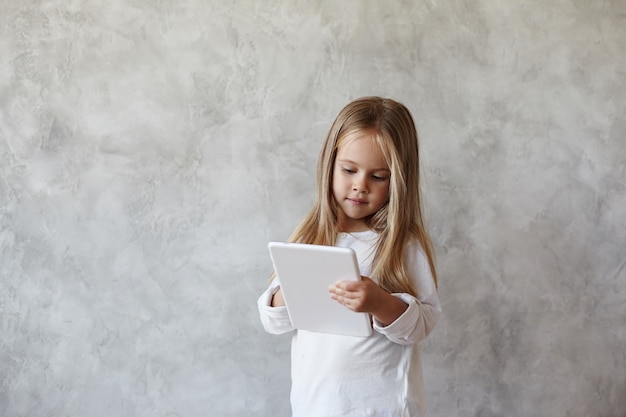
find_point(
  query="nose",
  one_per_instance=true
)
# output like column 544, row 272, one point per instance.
column 360, row 185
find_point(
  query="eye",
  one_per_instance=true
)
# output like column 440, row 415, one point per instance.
column 379, row 178
column 348, row 170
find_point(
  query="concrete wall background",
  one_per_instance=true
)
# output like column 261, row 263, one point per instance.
column 149, row 150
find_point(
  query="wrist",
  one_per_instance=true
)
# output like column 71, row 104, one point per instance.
column 390, row 309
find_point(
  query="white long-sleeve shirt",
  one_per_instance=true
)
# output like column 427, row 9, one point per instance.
column 378, row 376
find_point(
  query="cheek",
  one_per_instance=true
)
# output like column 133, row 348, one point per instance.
column 338, row 182
column 383, row 188
column 384, row 192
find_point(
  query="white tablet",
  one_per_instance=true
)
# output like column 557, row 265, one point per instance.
column 305, row 273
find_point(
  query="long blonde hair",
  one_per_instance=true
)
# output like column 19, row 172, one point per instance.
column 399, row 222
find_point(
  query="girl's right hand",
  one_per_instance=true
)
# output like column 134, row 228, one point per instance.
column 277, row 299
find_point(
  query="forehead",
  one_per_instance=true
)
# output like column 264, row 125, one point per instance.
column 362, row 147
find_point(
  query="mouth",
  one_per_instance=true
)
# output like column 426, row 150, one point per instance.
column 356, row 201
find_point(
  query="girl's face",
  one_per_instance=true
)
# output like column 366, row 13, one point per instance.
column 361, row 180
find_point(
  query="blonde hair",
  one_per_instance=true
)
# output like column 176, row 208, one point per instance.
column 399, row 222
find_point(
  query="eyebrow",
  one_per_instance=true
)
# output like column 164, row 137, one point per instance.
column 349, row 161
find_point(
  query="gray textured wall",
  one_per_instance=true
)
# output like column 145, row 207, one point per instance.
column 149, row 150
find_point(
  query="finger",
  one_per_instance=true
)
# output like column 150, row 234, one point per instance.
column 348, row 286
column 342, row 297
column 347, row 301
column 339, row 299
column 336, row 294
column 348, row 293
column 338, row 285
column 337, row 290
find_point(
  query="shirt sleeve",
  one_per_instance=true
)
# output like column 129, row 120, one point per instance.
column 275, row 320
column 423, row 312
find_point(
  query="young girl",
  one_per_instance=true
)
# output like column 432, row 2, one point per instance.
column 368, row 199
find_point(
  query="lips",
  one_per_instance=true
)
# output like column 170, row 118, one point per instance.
column 356, row 201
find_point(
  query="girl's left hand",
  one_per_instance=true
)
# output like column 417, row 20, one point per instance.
column 363, row 296
column 366, row 296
